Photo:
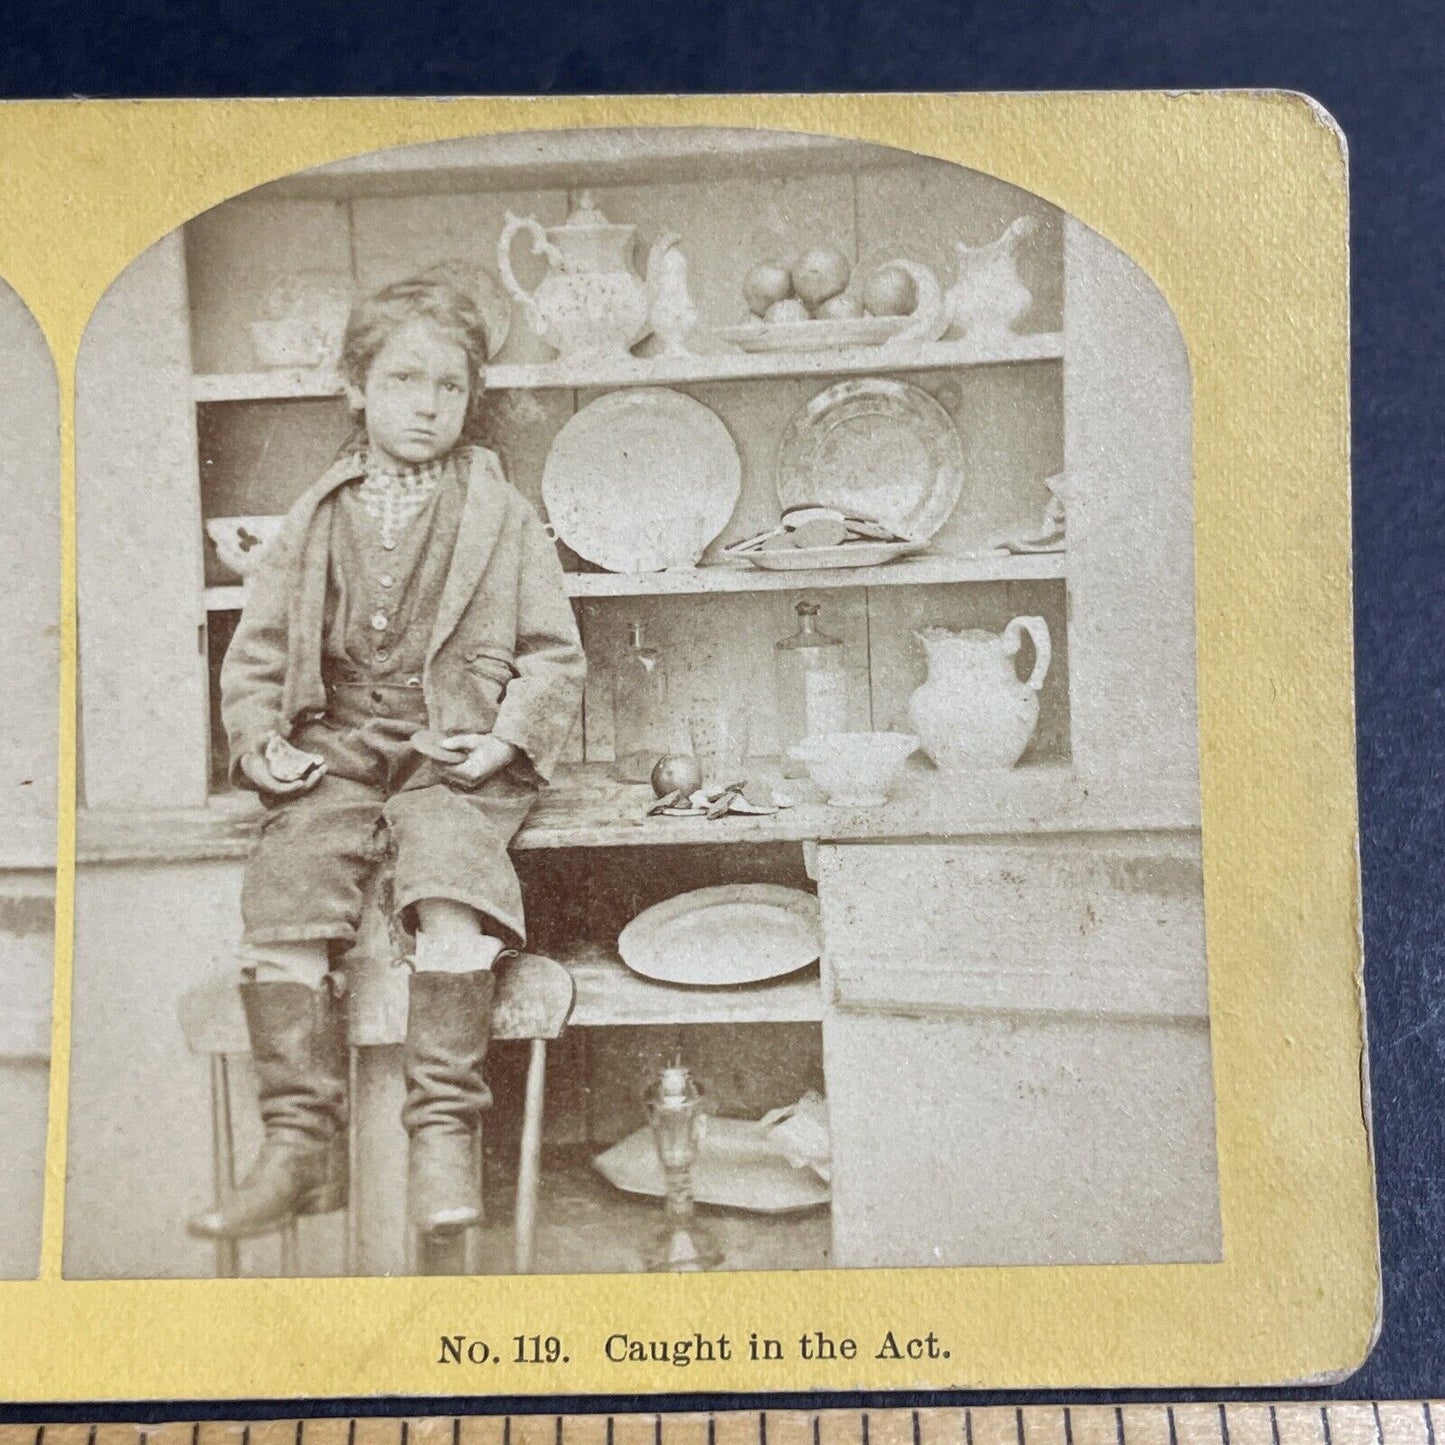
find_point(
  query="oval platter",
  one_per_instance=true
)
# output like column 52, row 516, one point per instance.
column 733, row 934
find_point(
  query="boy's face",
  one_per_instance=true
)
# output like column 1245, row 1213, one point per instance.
column 416, row 394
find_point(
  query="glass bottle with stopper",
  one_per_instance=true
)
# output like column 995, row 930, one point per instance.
column 812, row 681
column 639, row 709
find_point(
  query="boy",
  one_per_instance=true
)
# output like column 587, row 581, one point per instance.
column 411, row 588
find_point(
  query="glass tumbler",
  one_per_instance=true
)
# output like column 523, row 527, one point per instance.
column 719, row 733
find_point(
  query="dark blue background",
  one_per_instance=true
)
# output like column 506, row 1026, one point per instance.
column 1379, row 67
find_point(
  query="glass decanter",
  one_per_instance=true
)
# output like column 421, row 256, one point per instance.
column 639, row 709
column 683, row 1243
column 812, row 680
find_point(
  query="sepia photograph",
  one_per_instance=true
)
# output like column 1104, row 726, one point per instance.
column 637, row 713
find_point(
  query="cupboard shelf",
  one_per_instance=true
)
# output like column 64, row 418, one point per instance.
column 906, row 572
column 664, row 370
column 609, row 993
column 584, row 808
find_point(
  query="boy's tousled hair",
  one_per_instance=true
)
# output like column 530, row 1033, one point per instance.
column 433, row 296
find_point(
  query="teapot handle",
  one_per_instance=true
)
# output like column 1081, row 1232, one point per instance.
column 541, row 246
column 1038, row 631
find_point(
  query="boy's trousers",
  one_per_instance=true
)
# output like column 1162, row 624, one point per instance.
column 379, row 798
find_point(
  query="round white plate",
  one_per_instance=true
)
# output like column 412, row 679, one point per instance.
column 641, row 480
column 849, row 554
column 874, row 448
column 732, row 934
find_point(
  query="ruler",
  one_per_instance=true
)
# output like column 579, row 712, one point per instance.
column 1285, row 1423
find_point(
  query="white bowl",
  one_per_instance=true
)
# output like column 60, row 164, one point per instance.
column 294, row 343
column 240, row 542
column 855, row 770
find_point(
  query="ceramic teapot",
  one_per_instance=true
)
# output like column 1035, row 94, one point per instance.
column 591, row 304
column 973, row 712
column 988, row 296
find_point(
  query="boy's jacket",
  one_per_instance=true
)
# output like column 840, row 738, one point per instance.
column 504, row 656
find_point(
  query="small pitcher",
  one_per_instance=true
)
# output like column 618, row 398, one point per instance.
column 988, row 296
column 973, row 712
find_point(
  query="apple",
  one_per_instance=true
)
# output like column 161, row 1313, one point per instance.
column 790, row 309
column 676, row 773
column 820, row 272
column 843, row 307
column 890, row 292
column 766, row 283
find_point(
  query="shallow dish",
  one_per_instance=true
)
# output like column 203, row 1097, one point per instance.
column 640, row 480
column 814, row 335
column 873, row 447
column 737, row 1167
column 846, row 554
column 733, row 934
column 241, row 542
column 296, row 343
column 855, row 770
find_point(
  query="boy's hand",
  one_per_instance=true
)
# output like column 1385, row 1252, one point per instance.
column 485, row 755
column 256, row 768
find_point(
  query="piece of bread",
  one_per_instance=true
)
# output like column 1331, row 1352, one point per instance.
column 429, row 745
column 290, row 764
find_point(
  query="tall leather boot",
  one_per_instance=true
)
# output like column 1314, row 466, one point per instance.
column 448, row 1026
column 298, row 1046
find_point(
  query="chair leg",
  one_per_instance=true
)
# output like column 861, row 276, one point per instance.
column 223, row 1159
column 529, row 1164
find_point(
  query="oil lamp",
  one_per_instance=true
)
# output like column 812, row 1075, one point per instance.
column 683, row 1243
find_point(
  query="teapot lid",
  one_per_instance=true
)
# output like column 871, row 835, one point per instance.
column 586, row 216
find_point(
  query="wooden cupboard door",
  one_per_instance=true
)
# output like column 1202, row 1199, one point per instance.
column 1109, row 922
column 1016, row 1051
column 994, row 1138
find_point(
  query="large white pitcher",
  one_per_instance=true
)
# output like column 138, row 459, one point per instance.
column 974, row 712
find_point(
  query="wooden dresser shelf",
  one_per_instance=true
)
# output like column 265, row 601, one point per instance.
column 309, row 384
column 929, row 569
column 609, row 993
column 585, row 808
